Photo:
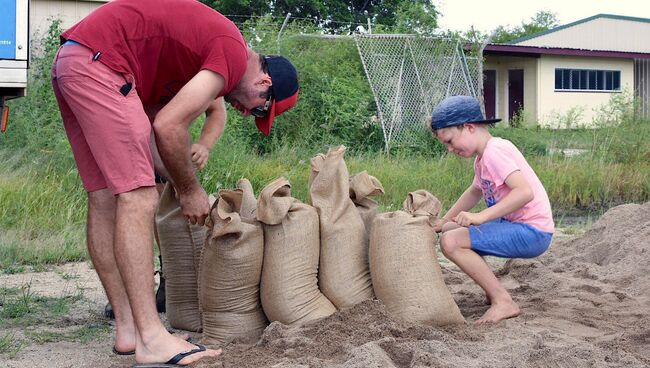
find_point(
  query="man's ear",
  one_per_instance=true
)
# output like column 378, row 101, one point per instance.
column 265, row 80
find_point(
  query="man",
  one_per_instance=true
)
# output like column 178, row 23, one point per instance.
column 124, row 57
column 213, row 127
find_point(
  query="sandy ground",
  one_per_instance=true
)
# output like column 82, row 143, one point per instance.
column 585, row 303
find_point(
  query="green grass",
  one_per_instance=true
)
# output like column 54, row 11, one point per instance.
column 43, row 213
column 20, row 307
column 67, row 276
column 82, row 334
column 13, row 269
column 10, row 345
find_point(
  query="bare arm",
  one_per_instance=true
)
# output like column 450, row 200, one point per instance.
column 172, row 137
column 520, row 194
column 157, row 161
column 465, row 202
column 215, row 122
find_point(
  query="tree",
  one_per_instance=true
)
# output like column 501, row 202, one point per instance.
column 542, row 21
column 419, row 17
column 245, row 8
column 336, row 16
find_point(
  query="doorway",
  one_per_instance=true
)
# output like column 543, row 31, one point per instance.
column 515, row 92
column 490, row 93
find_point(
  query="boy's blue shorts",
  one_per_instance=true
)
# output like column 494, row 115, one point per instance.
column 502, row 238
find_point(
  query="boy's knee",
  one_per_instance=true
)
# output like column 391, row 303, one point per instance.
column 447, row 243
column 453, row 240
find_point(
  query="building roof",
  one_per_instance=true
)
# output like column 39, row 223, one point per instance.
column 592, row 36
column 534, row 51
column 559, row 28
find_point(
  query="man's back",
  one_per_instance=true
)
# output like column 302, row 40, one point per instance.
column 162, row 44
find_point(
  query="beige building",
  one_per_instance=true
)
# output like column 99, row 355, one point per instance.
column 568, row 76
column 69, row 12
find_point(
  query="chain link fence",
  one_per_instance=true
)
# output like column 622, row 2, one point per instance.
column 410, row 75
column 407, row 74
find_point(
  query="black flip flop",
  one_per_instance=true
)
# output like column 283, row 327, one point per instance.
column 132, row 352
column 175, row 359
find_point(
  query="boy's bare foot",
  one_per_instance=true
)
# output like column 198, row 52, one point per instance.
column 499, row 312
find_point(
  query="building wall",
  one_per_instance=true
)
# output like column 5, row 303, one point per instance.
column 68, row 11
column 564, row 109
column 642, row 87
column 609, row 34
column 502, row 64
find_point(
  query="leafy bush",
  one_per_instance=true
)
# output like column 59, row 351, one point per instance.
column 335, row 104
column 526, row 139
column 35, row 123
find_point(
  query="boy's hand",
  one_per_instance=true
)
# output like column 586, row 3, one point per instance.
column 437, row 225
column 200, row 155
column 468, row 218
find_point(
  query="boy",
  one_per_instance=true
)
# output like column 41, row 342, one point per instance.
column 517, row 222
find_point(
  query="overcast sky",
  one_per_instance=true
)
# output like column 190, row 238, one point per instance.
column 485, row 15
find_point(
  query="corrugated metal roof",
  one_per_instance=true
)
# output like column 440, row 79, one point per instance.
column 559, row 28
column 534, row 51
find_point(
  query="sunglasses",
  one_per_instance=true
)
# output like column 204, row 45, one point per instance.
column 261, row 111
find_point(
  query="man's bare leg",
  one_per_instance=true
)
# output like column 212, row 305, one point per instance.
column 100, row 230
column 160, row 293
column 455, row 245
column 134, row 256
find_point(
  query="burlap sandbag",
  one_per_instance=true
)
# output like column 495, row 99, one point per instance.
column 344, row 276
column 404, row 266
column 249, row 202
column 363, row 186
column 231, row 266
column 289, row 288
column 180, row 247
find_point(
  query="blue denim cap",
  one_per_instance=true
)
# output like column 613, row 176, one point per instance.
column 458, row 110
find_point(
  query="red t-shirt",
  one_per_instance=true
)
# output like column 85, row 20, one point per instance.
column 163, row 44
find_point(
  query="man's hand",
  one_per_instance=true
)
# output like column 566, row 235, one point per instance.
column 195, row 206
column 200, row 154
column 468, row 218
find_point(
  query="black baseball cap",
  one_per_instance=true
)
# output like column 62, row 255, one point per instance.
column 284, row 90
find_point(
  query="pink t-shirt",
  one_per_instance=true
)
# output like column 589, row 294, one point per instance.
column 500, row 159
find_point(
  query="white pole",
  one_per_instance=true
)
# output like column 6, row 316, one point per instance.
column 284, row 24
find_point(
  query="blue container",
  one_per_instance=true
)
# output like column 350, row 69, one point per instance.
column 8, row 29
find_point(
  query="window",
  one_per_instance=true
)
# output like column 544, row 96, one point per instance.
column 587, row 80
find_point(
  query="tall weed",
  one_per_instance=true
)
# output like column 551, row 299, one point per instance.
column 43, row 205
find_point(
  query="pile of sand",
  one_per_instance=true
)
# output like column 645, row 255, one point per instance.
column 584, row 303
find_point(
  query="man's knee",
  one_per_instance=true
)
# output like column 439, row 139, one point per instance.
column 143, row 199
column 101, row 200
